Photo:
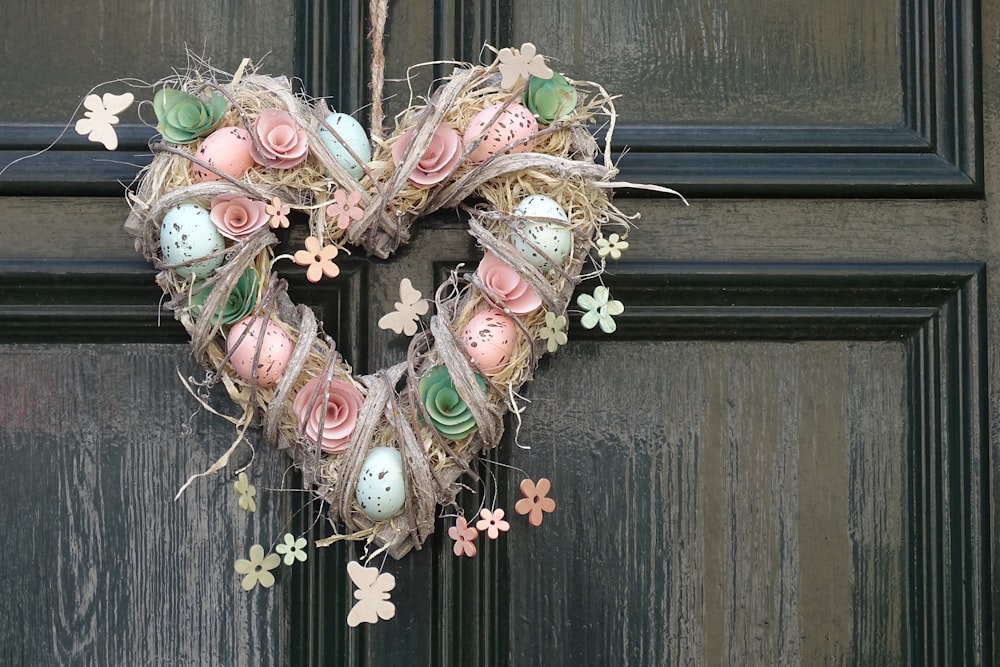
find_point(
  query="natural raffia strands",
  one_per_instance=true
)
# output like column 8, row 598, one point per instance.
column 561, row 165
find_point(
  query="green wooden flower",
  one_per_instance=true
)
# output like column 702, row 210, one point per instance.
column 449, row 414
column 182, row 118
column 292, row 549
column 549, row 99
column 239, row 303
column 600, row 309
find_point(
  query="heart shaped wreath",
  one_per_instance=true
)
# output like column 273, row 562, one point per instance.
column 510, row 144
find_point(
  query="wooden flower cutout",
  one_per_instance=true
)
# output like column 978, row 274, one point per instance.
column 520, row 64
column 554, row 331
column 464, row 536
column 247, row 491
column 278, row 212
column 372, row 595
column 102, row 115
column 257, row 570
column 535, row 501
column 409, row 308
column 345, row 208
column 492, row 523
column 318, row 258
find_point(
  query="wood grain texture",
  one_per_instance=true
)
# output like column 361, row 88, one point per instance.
column 55, row 51
column 104, row 568
column 765, row 62
column 722, row 513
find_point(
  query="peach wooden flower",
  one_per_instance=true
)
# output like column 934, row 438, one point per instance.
column 278, row 212
column 437, row 162
column 492, row 523
column 237, row 217
column 464, row 535
column 280, row 143
column 329, row 423
column 345, row 208
column 535, row 501
column 318, row 258
column 515, row 292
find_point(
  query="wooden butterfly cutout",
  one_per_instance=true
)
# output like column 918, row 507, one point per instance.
column 372, row 595
column 408, row 310
column 102, row 115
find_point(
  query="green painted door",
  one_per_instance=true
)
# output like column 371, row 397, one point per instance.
column 782, row 457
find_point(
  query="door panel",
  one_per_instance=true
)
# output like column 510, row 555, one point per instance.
column 109, row 569
column 745, row 508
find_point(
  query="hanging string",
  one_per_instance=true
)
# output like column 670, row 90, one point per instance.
column 378, row 10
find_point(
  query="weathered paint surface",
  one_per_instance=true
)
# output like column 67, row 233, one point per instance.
column 730, row 503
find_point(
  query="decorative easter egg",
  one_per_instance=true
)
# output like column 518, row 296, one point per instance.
column 187, row 233
column 228, row 150
column 489, row 338
column 350, row 135
column 513, row 124
column 275, row 350
column 552, row 238
column 381, row 491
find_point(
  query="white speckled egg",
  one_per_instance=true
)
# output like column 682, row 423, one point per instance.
column 489, row 338
column 553, row 238
column 188, row 233
column 351, row 134
column 275, row 350
column 228, row 150
column 381, row 491
column 511, row 126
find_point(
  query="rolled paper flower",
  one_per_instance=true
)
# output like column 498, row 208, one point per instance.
column 282, row 144
column 549, row 99
column 238, row 305
column 449, row 414
column 515, row 292
column 332, row 421
column 439, row 159
column 237, row 217
column 182, row 118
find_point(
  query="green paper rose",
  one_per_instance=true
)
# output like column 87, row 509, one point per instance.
column 182, row 118
column 238, row 305
column 449, row 414
column 549, row 99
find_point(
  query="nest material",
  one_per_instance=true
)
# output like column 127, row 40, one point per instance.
column 561, row 166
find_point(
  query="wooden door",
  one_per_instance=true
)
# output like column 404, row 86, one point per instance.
column 783, row 456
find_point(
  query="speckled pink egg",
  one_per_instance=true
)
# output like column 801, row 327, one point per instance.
column 489, row 338
column 512, row 125
column 275, row 350
column 228, row 150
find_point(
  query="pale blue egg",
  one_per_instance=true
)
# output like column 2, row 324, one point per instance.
column 381, row 491
column 554, row 239
column 350, row 134
column 188, row 233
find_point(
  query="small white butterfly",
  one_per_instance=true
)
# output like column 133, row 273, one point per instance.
column 408, row 310
column 372, row 595
column 97, row 124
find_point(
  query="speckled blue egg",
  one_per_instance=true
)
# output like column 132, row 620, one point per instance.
column 554, row 239
column 381, row 491
column 188, row 233
column 351, row 134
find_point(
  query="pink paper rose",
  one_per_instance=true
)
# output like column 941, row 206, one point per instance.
column 439, row 159
column 337, row 416
column 515, row 292
column 282, row 144
column 237, row 217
